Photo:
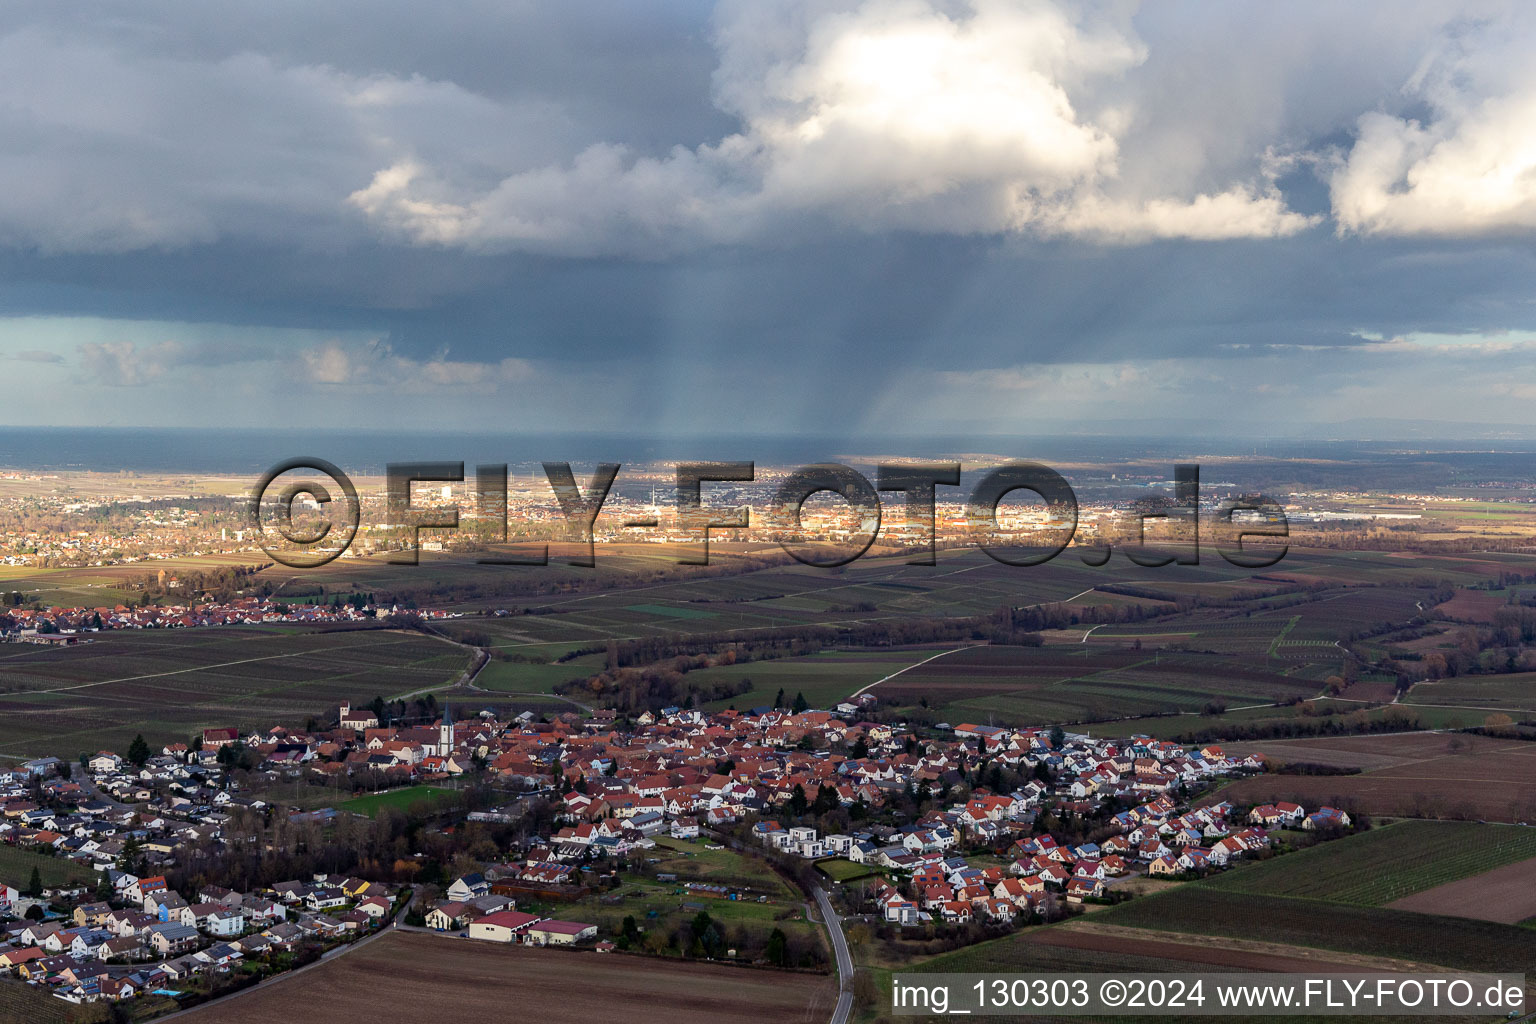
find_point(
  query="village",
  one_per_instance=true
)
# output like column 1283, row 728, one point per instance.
column 968, row 825
column 59, row 626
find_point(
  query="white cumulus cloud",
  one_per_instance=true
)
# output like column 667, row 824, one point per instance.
column 987, row 116
column 1467, row 165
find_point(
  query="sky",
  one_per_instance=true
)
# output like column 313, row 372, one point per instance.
column 776, row 217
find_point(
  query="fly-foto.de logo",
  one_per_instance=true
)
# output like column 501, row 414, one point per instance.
column 306, row 512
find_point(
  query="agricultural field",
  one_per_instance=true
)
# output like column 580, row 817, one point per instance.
column 107, row 585
column 167, row 684
column 535, row 677
column 1505, row 894
column 1088, row 946
column 1372, row 869
column 1415, row 775
column 1067, row 684
column 405, row 977
column 1204, row 909
column 825, row 678
column 1266, row 644
column 1513, row 694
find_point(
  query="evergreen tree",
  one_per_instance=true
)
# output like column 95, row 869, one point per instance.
column 801, row 704
column 797, row 802
column 860, row 749
column 1058, row 736
column 778, row 701
column 35, row 884
column 777, row 947
column 138, row 751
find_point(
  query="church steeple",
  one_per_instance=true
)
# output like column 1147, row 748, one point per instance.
column 445, row 731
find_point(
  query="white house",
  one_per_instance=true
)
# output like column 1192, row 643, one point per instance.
column 560, row 933
column 502, row 926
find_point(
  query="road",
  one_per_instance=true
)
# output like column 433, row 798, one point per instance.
column 909, row 668
column 829, row 918
column 844, row 958
column 480, row 658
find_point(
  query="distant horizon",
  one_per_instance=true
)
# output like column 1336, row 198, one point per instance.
column 251, row 450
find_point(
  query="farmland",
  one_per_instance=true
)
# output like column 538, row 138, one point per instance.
column 1243, row 650
column 824, row 678
column 1204, row 909
column 403, row 978
column 1506, row 894
column 1514, row 693
column 1084, row 683
column 1418, row 775
column 167, row 684
column 1093, row 946
column 1374, row 868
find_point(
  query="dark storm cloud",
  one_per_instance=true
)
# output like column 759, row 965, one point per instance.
column 679, row 204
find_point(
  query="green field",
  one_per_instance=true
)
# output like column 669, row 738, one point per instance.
column 825, row 679
column 1203, row 909
column 1514, row 693
column 840, row 870
column 534, row 677
column 16, row 868
column 667, row 611
column 398, row 799
column 1374, row 868
column 1086, row 683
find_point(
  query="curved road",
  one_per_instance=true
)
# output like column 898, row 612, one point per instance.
column 844, row 959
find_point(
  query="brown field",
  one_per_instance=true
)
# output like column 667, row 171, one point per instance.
column 407, row 977
column 1419, row 775
column 1506, row 895
column 1223, row 954
column 1369, row 752
column 1471, row 606
column 1370, row 691
column 1429, row 642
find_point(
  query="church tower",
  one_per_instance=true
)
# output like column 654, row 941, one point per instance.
column 445, row 732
